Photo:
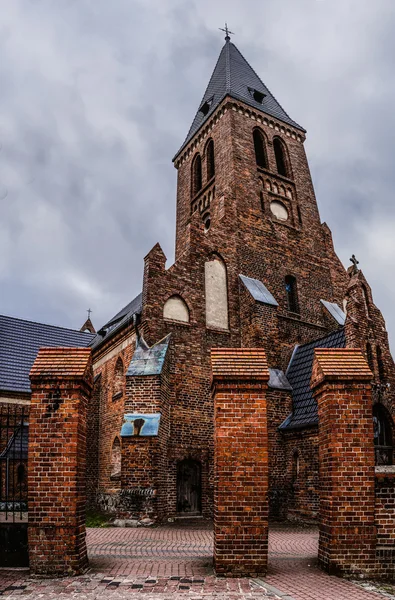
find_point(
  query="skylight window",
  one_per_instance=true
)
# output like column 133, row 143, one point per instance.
column 206, row 106
column 257, row 95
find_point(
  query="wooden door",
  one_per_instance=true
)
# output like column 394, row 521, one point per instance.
column 189, row 491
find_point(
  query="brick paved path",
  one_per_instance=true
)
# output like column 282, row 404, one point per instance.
column 175, row 562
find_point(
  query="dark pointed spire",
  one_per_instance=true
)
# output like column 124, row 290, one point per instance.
column 233, row 76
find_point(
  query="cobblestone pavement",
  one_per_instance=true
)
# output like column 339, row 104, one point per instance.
column 175, row 562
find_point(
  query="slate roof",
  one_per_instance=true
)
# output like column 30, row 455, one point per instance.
column 118, row 321
column 258, row 290
column 20, row 341
column 299, row 374
column 17, row 446
column 233, row 76
column 148, row 360
column 335, row 311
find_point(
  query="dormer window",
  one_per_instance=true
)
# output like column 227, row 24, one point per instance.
column 204, row 109
column 257, row 95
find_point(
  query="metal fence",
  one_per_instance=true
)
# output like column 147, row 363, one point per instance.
column 14, row 431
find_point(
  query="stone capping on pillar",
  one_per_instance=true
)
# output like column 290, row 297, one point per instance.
column 239, row 364
column 340, row 364
column 63, row 363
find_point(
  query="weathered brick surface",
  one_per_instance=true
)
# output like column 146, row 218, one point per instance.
column 385, row 524
column 341, row 384
column 61, row 381
column 241, row 462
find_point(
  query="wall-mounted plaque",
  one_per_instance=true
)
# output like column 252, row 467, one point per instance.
column 136, row 424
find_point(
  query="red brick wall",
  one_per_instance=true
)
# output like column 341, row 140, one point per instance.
column 301, row 489
column 241, row 463
column 341, row 386
column 57, row 461
column 385, row 523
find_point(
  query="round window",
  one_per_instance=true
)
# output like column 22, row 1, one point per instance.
column 279, row 210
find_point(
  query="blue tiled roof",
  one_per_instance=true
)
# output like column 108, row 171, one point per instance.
column 299, row 374
column 19, row 343
column 233, row 76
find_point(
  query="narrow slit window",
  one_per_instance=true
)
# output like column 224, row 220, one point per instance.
column 210, row 160
column 196, row 174
column 292, row 294
column 279, row 154
column 260, row 152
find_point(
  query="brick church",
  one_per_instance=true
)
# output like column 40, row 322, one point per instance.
column 254, row 267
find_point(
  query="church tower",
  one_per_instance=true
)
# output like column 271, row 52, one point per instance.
column 243, row 169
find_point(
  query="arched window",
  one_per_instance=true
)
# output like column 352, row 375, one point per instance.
column 118, row 380
column 292, row 293
column 210, row 160
column 369, row 356
column 279, row 153
column 116, row 457
column 175, row 309
column 196, row 174
column 382, row 427
column 380, row 363
column 260, row 152
column 216, row 287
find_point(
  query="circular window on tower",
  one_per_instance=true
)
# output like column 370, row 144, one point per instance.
column 279, row 210
column 206, row 221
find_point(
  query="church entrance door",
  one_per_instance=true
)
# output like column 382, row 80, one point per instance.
column 189, row 489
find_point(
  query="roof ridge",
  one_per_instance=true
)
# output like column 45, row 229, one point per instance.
column 46, row 324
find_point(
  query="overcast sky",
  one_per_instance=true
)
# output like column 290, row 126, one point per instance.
column 98, row 95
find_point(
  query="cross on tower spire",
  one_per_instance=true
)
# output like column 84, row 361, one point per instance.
column 89, row 313
column 228, row 33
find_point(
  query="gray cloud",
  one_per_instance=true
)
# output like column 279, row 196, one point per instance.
column 98, row 96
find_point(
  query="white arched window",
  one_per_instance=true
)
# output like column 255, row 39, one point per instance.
column 216, row 294
column 175, row 309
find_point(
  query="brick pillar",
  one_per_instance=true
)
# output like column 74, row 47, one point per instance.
column 61, row 382
column 240, row 377
column 341, row 383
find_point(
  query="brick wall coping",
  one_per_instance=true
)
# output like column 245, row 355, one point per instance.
column 385, row 471
column 339, row 364
column 239, row 363
column 61, row 362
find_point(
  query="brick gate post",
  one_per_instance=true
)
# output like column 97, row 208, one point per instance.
column 341, row 383
column 61, row 382
column 240, row 378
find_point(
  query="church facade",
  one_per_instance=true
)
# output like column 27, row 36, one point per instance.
column 254, row 267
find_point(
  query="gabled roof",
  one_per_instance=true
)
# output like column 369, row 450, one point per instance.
column 116, row 323
column 299, row 374
column 233, row 76
column 19, row 344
